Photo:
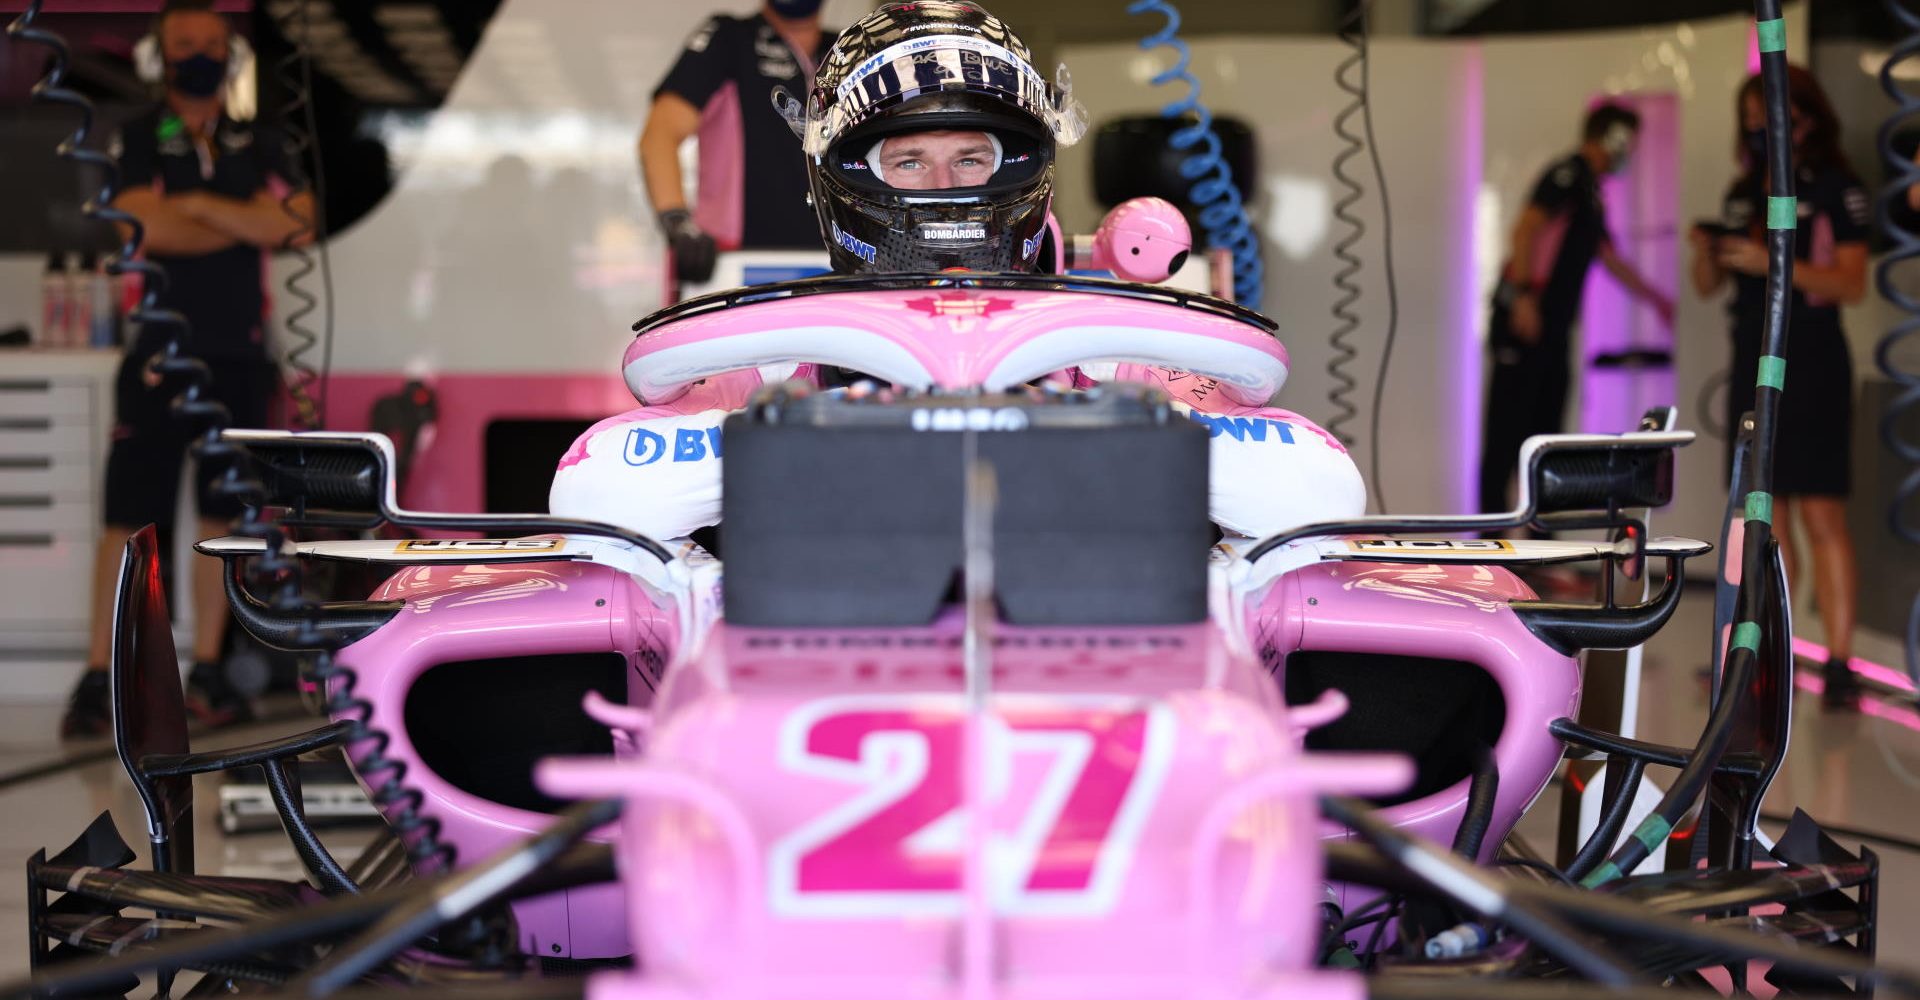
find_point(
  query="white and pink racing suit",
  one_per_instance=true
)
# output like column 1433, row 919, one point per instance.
column 656, row 469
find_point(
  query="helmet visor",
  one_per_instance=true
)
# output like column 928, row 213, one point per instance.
column 931, row 64
column 947, row 156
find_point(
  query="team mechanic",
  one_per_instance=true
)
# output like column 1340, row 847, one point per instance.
column 751, row 191
column 1559, row 233
column 931, row 147
column 204, row 187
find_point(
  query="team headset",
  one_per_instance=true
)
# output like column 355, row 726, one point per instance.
column 151, row 67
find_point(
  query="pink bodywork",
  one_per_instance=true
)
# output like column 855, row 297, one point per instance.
column 811, row 809
column 798, row 824
column 1441, row 612
column 458, row 613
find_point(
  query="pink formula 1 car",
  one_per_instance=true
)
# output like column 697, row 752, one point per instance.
column 981, row 689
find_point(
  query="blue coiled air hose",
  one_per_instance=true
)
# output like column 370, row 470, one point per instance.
column 1223, row 215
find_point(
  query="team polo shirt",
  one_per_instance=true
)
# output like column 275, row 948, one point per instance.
column 219, row 293
column 752, row 185
column 1564, row 249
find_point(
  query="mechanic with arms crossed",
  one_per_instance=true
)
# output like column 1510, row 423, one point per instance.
column 202, row 185
column 751, row 191
column 1562, row 229
column 931, row 147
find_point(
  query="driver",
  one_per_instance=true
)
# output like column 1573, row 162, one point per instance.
column 929, row 140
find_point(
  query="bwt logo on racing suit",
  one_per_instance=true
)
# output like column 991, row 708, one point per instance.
column 1244, row 428
column 690, row 444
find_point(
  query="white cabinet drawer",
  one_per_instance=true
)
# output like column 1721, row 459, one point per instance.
column 39, row 514
column 45, row 578
column 27, row 436
column 56, row 412
column 67, row 475
column 28, row 397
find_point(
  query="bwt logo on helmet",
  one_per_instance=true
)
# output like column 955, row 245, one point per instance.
column 976, row 418
column 852, row 244
column 690, row 444
column 953, row 231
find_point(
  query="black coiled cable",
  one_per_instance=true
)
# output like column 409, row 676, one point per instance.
column 308, row 387
column 1906, row 246
column 1353, row 32
column 275, row 572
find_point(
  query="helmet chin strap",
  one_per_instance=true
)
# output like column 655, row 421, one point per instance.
column 873, row 156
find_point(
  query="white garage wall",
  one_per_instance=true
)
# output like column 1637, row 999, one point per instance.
column 1426, row 103
column 518, row 237
column 1464, row 128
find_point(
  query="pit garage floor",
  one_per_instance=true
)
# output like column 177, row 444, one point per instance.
column 1859, row 771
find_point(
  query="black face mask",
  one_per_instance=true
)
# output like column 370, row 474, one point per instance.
column 198, row 75
column 1755, row 140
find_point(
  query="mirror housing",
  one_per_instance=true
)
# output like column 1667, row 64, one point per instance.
column 1621, row 474
column 322, row 479
column 347, row 479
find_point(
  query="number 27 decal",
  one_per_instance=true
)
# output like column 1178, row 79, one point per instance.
column 1071, row 782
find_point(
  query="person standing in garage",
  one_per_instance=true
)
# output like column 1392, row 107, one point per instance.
column 1560, row 232
column 752, row 187
column 202, row 186
column 1813, row 442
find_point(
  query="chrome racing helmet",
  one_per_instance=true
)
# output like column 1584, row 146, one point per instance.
column 930, row 141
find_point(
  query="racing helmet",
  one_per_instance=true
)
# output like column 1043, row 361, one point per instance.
column 930, row 139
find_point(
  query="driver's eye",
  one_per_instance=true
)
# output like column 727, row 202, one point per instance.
column 908, row 165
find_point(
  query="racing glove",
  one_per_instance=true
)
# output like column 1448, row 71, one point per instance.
column 693, row 249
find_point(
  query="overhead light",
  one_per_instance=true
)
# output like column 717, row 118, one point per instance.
column 395, row 14
column 415, row 32
column 312, row 9
column 319, row 32
column 418, row 44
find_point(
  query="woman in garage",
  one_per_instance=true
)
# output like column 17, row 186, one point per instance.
column 1813, row 456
